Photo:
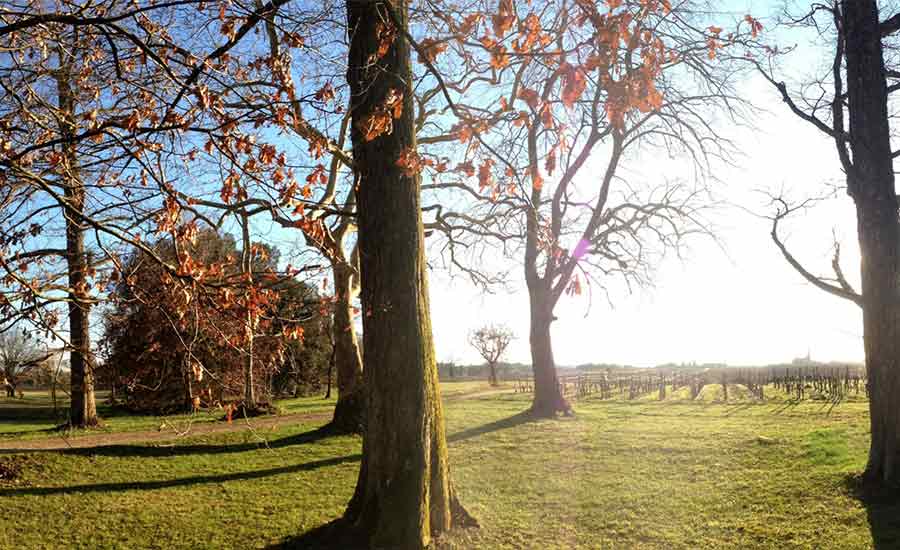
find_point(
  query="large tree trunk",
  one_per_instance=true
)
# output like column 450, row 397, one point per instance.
column 403, row 496
column 548, row 399
column 871, row 184
column 349, row 412
column 83, row 404
column 83, row 407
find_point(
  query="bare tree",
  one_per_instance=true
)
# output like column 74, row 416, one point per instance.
column 491, row 342
column 553, row 102
column 19, row 354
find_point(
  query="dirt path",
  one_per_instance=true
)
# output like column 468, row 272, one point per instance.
column 168, row 433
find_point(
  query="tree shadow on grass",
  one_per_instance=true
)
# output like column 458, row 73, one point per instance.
column 181, row 482
column 882, row 508
column 171, row 448
column 735, row 408
column 333, row 535
column 339, row 534
column 502, row 424
column 787, row 405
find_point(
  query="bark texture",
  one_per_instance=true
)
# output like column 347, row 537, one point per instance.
column 548, row 398
column 349, row 412
column 83, row 411
column 871, row 185
column 403, row 496
column 249, row 324
column 492, row 374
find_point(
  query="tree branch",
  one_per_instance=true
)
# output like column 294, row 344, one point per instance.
column 890, row 25
column 838, row 291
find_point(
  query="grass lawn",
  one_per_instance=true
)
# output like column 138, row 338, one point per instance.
column 34, row 416
column 640, row 474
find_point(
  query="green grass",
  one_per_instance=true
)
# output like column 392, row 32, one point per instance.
column 34, row 417
column 642, row 474
column 829, row 447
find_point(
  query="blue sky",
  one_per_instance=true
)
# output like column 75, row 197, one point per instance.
column 734, row 300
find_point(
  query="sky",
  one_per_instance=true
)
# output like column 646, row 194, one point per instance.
column 734, row 301
column 731, row 300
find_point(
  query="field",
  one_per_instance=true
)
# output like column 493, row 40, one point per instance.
column 619, row 474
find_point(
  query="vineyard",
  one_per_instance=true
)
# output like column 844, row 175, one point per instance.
column 795, row 383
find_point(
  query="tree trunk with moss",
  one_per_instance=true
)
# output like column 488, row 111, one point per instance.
column 403, row 495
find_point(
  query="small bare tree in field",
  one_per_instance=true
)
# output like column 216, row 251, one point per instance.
column 18, row 355
column 491, row 342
